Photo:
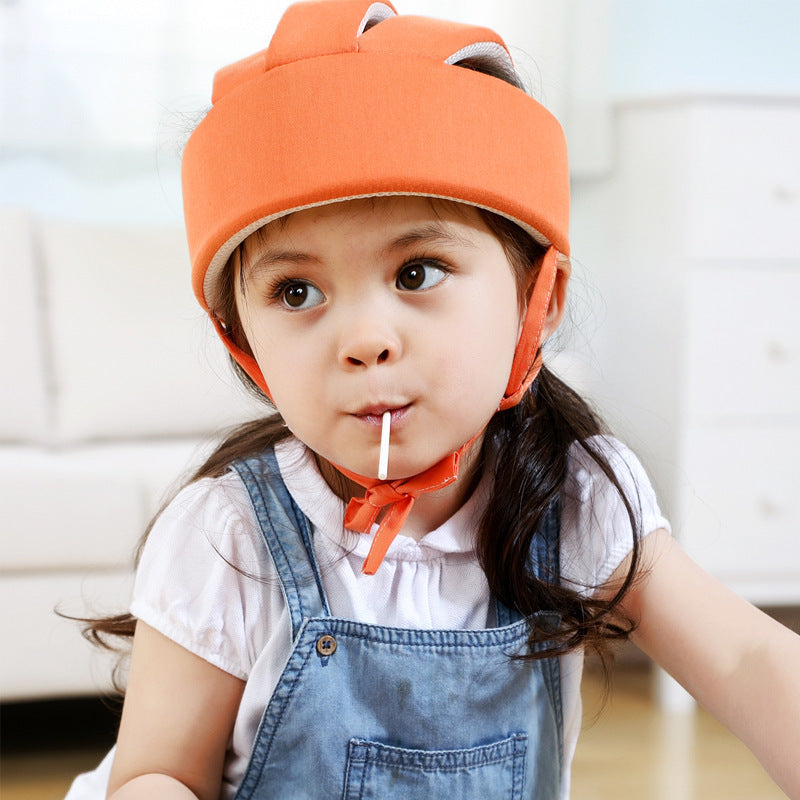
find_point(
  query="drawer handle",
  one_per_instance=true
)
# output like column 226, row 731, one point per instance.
column 778, row 352
column 768, row 508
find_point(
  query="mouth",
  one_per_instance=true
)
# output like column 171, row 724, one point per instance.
column 373, row 414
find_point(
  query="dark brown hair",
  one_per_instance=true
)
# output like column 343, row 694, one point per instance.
column 533, row 442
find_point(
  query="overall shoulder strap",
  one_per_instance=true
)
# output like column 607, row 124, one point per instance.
column 545, row 557
column 287, row 533
column 546, row 545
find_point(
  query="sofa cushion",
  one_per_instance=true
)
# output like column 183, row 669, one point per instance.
column 132, row 354
column 84, row 507
column 23, row 401
column 49, row 657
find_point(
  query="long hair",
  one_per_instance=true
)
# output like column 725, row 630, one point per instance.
column 532, row 442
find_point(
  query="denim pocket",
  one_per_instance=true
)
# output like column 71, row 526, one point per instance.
column 382, row 772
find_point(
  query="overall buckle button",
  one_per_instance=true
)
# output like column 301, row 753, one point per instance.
column 326, row 645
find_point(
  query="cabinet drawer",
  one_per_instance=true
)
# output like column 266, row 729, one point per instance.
column 743, row 345
column 742, row 197
column 740, row 516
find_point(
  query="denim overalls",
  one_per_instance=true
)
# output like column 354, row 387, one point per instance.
column 371, row 712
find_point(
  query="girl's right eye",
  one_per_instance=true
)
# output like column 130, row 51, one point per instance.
column 298, row 295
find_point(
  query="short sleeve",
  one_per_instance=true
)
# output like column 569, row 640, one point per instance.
column 205, row 579
column 596, row 533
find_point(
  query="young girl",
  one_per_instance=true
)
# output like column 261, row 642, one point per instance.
column 385, row 588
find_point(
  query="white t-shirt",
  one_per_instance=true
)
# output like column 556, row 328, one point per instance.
column 207, row 581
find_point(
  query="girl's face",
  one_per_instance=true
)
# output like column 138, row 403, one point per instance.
column 393, row 303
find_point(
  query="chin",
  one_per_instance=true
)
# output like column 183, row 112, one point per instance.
column 401, row 464
column 408, row 469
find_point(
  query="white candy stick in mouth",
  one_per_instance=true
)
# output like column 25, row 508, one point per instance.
column 383, row 461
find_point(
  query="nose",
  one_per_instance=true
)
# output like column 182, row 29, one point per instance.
column 367, row 340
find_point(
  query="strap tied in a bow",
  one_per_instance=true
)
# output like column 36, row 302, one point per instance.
column 397, row 497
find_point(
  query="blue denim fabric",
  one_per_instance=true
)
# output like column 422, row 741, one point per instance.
column 371, row 712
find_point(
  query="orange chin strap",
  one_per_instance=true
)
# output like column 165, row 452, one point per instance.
column 351, row 100
column 397, row 497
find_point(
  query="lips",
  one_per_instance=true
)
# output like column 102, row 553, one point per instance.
column 373, row 414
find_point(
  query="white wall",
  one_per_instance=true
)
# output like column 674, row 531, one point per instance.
column 728, row 46
column 98, row 96
column 94, row 93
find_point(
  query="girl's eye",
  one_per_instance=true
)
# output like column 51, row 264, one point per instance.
column 299, row 296
column 418, row 276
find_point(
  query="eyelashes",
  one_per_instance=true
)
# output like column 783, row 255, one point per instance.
column 296, row 295
column 415, row 275
column 420, row 275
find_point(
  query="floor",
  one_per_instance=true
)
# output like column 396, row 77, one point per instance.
column 634, row 752
column 631, row 752
column 44, row 745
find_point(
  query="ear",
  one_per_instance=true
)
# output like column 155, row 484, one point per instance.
column 558, row 298
column 556, row 303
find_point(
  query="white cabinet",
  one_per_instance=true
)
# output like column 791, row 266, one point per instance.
column 691, row 248
column 741, row 518
column 743, row 344
column 740, row 431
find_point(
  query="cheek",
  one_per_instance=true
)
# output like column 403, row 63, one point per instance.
column 497, row 335
column 477, row 358
column 499, row 347
column 279, row 366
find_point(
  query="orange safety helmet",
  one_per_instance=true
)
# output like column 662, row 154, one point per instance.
column 351, row 100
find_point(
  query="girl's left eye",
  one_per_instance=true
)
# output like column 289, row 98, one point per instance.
column 419, row 275
column 299, row 295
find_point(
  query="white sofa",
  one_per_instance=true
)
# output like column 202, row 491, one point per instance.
column 113, row 385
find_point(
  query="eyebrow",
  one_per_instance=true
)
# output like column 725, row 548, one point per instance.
column 430, row 234
column 269, row 258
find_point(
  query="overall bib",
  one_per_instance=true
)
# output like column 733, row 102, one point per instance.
column 367, row 712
